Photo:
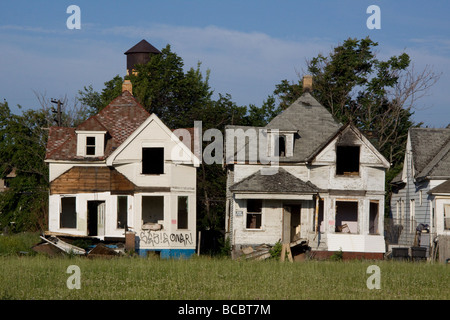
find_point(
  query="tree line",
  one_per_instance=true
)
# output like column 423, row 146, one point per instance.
column 351, row 82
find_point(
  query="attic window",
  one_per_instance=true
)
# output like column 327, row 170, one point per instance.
column 152, row 160
column 347, row 160
column 90, row 146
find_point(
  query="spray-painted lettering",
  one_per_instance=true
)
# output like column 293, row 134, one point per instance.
column 160, row 238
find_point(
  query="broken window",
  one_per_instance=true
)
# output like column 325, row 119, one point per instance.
column 68, row 214
column 182, row 218
column 447, row 217
column 122, row 211
column 347, row 216
column 90, row 146
column 254, row 214
column 373, row 217
column 152, row 160
column 347, row 160
column 152, row 209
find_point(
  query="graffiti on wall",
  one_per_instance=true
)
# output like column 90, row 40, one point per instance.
column 161, row 238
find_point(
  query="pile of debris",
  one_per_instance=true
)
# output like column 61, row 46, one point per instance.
column 294, row 251
column 55, row 246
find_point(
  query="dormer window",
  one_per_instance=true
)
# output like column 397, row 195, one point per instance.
column 90, row 143
column 281, row 143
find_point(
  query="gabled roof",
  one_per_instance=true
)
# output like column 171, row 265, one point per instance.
column 280, row 182
column 312, row 123
column 120, row 119
column 430, row 152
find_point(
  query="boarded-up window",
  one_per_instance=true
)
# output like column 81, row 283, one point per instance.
column 68, row 214
column 347, row 216
column 182, row 218
column 90, row 146
column 447, row 217
column 347, row 160
column 254, row 214
column 152, row 209
column 122, row 211
column 152, row 160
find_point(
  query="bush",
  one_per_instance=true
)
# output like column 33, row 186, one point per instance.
column 337, row 256
column 275, row 251
column 16, row 243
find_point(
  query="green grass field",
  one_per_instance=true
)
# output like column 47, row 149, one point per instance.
column 205, row 278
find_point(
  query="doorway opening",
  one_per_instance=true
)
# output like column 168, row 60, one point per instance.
column 96, row 218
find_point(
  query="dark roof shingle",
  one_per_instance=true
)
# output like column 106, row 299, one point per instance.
column 120, row 119
column 280, row 182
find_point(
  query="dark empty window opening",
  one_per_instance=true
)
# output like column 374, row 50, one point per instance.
column 347, row 216
column 68, row 215
column 152, row 160
column 347, row 160
column 182, row 218
column 152, row 209
column 90, row 146
column 254, row 214
column 281, row 146
column 122, row 212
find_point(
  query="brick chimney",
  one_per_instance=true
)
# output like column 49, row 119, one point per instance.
column 127, row 86
column 307, row 83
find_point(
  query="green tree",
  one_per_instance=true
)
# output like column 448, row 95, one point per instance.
column 23, row 206
column 377, row 96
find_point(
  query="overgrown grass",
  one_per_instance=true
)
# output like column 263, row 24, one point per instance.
column 17, row 243
column 205, row 278
column 27, row 277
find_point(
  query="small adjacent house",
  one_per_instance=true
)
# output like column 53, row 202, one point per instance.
column 420, row 203
column 123, row 169
column 324, row 183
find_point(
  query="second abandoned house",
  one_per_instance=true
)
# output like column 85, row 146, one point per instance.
column 328, row 189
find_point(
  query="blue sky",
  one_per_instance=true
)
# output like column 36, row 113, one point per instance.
column 249, row 45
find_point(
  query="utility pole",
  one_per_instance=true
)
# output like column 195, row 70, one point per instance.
column 57, row 111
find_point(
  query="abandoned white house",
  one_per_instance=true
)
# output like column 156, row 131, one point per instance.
column 124, row 169
column 327, row 187
column 420, row 203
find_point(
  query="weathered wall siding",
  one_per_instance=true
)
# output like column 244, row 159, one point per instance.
column 170, row 237
column 90, row 179
column 82, row 213
column 271, row 224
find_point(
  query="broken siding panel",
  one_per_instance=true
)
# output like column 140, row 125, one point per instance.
column 90, row 179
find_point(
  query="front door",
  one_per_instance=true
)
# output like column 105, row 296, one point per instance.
column 96, row 218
